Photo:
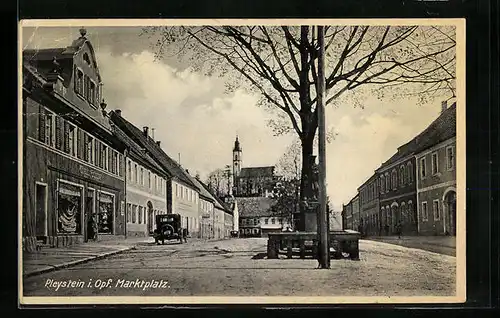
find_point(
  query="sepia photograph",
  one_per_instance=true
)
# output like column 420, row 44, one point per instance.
column 241, row 161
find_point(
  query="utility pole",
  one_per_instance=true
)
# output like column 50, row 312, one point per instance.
column 324, row 259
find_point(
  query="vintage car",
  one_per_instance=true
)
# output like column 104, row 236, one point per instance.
column 168, row 227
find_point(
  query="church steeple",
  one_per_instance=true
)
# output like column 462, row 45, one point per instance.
column 237, row 146
column 236, row 159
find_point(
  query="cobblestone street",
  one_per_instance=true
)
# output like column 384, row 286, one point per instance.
column 238, row 267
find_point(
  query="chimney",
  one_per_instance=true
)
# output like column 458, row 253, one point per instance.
column 444, row 106
column 118, row 112
column 153, row 133
column 158, row 143
column 145, row 130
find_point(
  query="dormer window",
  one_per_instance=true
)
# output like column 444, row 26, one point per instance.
column 86, row 59
column 79, row 78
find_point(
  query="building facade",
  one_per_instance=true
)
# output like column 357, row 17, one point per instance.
column 397, row 192
column 369, row 206
column 182, row 195
column 146, row 185
column 347, row 216
column 436, row 178
column 73, row 165
column 357, row 220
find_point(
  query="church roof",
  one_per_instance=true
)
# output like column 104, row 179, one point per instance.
column 257, row 172
column 255, row 206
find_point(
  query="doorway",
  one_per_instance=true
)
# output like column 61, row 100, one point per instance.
column 41, row 210
column 150, row 217
column 90, row 232
column 451, row 212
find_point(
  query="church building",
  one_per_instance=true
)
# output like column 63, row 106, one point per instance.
column 251, row 181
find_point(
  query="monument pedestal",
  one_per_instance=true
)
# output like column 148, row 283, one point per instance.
column 310, row 221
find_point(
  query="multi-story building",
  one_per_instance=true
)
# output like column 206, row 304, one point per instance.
column 397, row 192
column 146, row 187
column 357, row 220
column 182, row 194
column 369, row 206
column 436, row 177
column 206, row 210
column 73, row 165
column 347, row 216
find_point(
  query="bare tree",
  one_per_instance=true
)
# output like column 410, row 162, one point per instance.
column 280, row 64
column 217, row 182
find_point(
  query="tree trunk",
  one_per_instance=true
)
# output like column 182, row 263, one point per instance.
column 306, row 176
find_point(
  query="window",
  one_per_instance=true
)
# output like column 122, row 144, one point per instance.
column 149, row 181
column 435, row 210
column 129, row 171
column 402, row 175
column 450, row 158
column 70, row 146
column 177, row 190
column 69, row 208
column 409, row 167
column 142, row 176
column 117, row 162
column 387, row 182
column 410, row 211
column 266, row 221
column 185, row 192
column 129, row 212
column 273, row 220
column 382, row 184
column 140, row 215
column 106, row 213
column 423, row 172
column 79, row 81
column 49, row 128
column 425, row 215
column 135, row 173
column 91, row 92
column 134, row 213
column 89, row 149
column 394, row 179
column 435, row 168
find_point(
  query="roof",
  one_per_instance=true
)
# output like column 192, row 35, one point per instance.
column 257, row 172
column 204, row 191
column 154, row 150
column 218, row 204
column 136, row 151
column 442, row 128
column 255, row 206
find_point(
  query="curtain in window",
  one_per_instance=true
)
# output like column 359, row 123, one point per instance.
column 69, row 205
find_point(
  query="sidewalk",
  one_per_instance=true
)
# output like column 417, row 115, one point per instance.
column 50, row 259
column 439, row 244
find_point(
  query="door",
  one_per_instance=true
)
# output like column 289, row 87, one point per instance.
column 90, row 216
column 451, row 205
column 41, row 209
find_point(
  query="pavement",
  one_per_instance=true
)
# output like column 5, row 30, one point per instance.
column 437, row 244
column 238, row 267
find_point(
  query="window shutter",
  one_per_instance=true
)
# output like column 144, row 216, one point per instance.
column 66, row 136
column 59, row 132
column 81, row 144
column 41, row 123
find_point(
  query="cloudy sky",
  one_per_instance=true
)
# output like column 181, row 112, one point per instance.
column 193, row 117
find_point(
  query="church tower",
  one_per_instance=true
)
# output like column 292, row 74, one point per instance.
column 236, row 160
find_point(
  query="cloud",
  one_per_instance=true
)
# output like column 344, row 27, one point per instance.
column 189, row 113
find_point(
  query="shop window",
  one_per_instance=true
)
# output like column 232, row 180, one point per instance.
column 106, row 213
column 69, row 209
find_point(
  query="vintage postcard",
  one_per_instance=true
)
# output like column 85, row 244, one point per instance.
column 242, row 161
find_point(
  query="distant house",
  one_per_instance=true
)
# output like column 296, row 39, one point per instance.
column 436, row 177
column 257, row 219
column 222, row 216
